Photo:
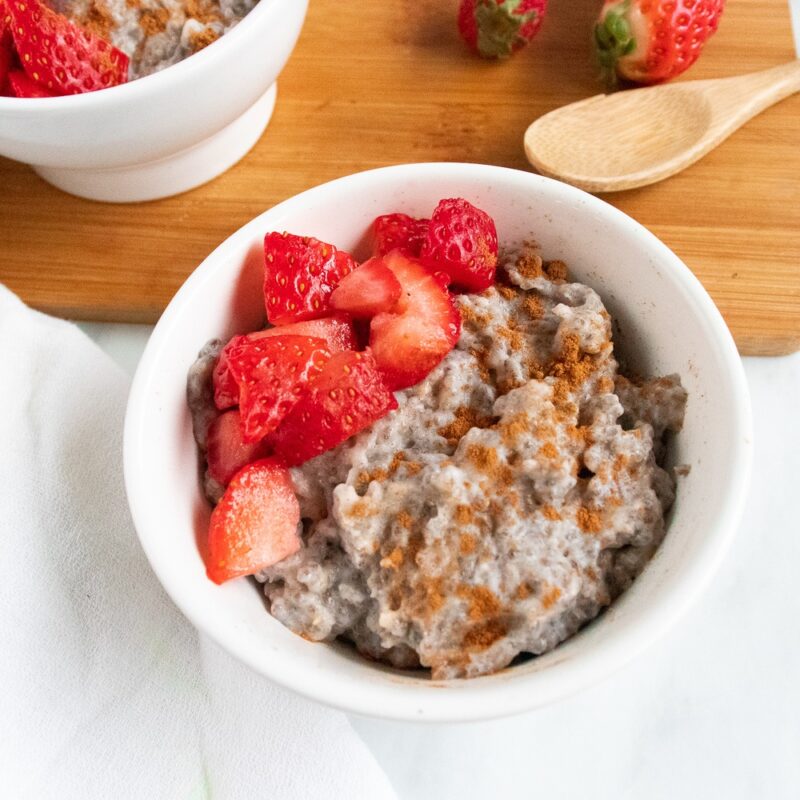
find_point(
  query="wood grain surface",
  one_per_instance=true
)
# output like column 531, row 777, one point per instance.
column 372, row 84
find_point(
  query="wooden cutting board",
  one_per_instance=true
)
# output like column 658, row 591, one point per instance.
column 381, row 83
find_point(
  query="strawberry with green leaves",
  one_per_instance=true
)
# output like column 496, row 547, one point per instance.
column 498, row 28
column 652, row 41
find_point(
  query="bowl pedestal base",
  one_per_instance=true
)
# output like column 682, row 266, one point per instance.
column 174, row 173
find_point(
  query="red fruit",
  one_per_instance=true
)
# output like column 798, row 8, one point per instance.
column 393, row 231
column 59, row 55
column 651, row 41
column 272, row 373
column 347, row 396
column 462, row 241
column 299, row 275
column 6, row 54
column 497, row 28
column 254, row 525
column 367, row 290
column 337, row 331
column 22, row 86
column 227, row 452
column 409, row 342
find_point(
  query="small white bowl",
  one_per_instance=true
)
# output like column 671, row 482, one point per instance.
column 667, row 323
column 167, row 132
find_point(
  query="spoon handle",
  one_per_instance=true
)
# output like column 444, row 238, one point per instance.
column 751, row 94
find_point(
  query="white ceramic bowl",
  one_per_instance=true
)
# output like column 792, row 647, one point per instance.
column 164, row 133
column 668, row 324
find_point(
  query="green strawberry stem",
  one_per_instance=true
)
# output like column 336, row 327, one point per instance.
column 613, row 40
column 498, row 28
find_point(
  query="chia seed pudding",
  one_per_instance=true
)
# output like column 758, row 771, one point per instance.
column 512, row 496
column 155, row 34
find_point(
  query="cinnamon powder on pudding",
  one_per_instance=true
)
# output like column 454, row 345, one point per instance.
column 464, row 420
column 97, row 19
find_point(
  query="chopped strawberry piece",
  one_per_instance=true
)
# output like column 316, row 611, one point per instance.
column 227, row 451
column 367, row 290
column 6, row 54
column 409, row 342
column 300, row 273
column 254, row 524
column 462, row 241
column 22, row 86
column 271, row 373
column 347, row 396
column 59, row 55
column 337, row 331
column 398, row 231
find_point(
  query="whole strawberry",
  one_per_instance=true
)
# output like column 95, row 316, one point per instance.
column 496, row 28
column 652, row 41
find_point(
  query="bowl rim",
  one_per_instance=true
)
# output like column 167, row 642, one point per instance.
column 172, row 75
column 496, row 695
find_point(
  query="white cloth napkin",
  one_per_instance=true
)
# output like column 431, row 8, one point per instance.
column 106, row 691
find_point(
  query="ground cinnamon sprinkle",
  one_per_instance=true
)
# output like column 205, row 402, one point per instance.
column 507, row 292
column 464, row 515
column 482, row 601
column 550, row 596
column 153, row 20
column 464, row 420
column 360, row 509
column 533, row 306
column 486, row 460
column 555, row 270
column 200, row 39
column 529, row 262
column 588, row 521
column 484, row 634
column 620, row 461
column 467, row 544
column 364, row 478
column 516, row 341
column 202, row 10
column 513, row 429
column 549, row 512
column 605, row 385
column 471, row 316
column 404, row 519
column 98, row 19
column 548, row 450
column 432, row 595
column 394, row 560
column 484, row 370
column 570, row 368
column 522, row 592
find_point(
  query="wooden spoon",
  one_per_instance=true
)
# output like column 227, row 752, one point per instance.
column 627, row 139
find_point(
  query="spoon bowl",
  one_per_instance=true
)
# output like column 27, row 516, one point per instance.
column 620, row 141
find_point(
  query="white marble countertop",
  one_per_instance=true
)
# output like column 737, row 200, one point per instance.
column 711, row 711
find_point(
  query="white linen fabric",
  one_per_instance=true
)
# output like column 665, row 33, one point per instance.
column 106, row 691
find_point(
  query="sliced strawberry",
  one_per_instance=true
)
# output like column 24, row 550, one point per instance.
column 254, row 525
column 299, row 275
column 398, row 231
column 367, row 290
column 410, row 342
column 337, row 331
column 462, row 241
column 22, row 86
column 272, row 373
column 347, row 396
column 227, row 451
column 6, row 54
column 61, row 56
